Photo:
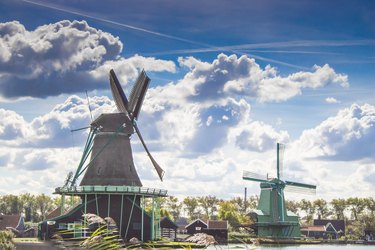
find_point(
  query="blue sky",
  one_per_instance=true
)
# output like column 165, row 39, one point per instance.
column 229, row 80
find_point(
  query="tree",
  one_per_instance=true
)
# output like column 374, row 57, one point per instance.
column 308, row 208
column 292, row 206
column 29, row 206
column 174, row 207
column 44, row 204
column 356, row 206
column 209, row 205
column 191, row 206
column 321, row 208
column 370, row 205
column 228, row 211
column 11, row 204
column 338, row 208
column 252, row 202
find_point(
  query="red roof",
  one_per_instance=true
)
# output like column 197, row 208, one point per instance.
column 9, row 221
column 314, row 228
column 217, row 224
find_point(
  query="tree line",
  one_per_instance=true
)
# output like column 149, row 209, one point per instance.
column 354, row 210
column 34, row 207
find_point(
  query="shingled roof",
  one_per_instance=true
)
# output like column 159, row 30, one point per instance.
column 217, row 224
column 337, row 224
column 9, row 221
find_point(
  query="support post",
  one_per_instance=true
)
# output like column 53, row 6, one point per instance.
column 142, row 217
column 130, row 217
column 62, row 204
column 109, row 204
column 122, row 210
column 85, row 213
column 152, row 220
column 97, row 205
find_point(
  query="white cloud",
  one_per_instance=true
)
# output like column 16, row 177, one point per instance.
column 257, row 136
column 13, row 127
column 350, row 135
column 63, row 57
column 230, row 76
column 331, row 100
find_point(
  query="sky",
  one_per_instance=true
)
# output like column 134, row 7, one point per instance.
column 228, row 81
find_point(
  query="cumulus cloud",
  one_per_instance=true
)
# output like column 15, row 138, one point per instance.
column 350, row 135
column 52, row 129
column 13, row 127
column 62, row 57
column 258, row 136
column 230, row 75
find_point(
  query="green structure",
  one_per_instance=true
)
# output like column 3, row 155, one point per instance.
column 271, row 218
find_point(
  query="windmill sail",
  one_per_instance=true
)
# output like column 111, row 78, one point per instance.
column 300, row 190
column 301, row 185
column 132, row 107
column 158, row 169
column 280, row 153
column 117, row 93
column 251, row 176
column 137, row 95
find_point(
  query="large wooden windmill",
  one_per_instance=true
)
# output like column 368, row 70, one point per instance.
column 271, row 216
column 110, row 186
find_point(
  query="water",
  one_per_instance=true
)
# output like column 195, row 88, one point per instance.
column 294, row 247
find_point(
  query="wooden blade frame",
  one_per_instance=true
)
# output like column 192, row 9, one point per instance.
column 138, row 94
column 118, row 93
column 250, row 176
column 133, row 106
column 158, row 169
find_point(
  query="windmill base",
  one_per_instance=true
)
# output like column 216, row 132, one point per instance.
column 124, row 204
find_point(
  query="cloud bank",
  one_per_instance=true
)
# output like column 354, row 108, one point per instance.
column 63, row 57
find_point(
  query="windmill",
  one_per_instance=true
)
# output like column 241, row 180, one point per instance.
column 110, row 186
column 271, row 216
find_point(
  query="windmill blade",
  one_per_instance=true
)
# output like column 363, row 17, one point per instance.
column 158, row 169
column 301, row 185
column 300, row 190
column 281, row 150
column 138, row 94
column 118, row 93
column 250, row 176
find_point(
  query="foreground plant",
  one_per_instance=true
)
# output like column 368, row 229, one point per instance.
column 6, row 240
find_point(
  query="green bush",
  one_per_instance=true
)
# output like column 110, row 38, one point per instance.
column 6, row 240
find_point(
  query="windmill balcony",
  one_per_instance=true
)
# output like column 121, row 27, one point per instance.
column 111, row 190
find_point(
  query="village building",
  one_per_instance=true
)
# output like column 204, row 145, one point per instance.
column 16, row 224
column 168, row 228
column 218, row 229
column 325, row 229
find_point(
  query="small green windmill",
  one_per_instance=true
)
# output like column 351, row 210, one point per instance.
column 271, row 216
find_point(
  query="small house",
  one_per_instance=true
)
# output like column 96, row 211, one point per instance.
column 16, row 224
column 9, row 221
column 218, row 229
column 338, row 226
column 316, row 232
column 168, row 228
column 325, row 229
column 196, row 226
